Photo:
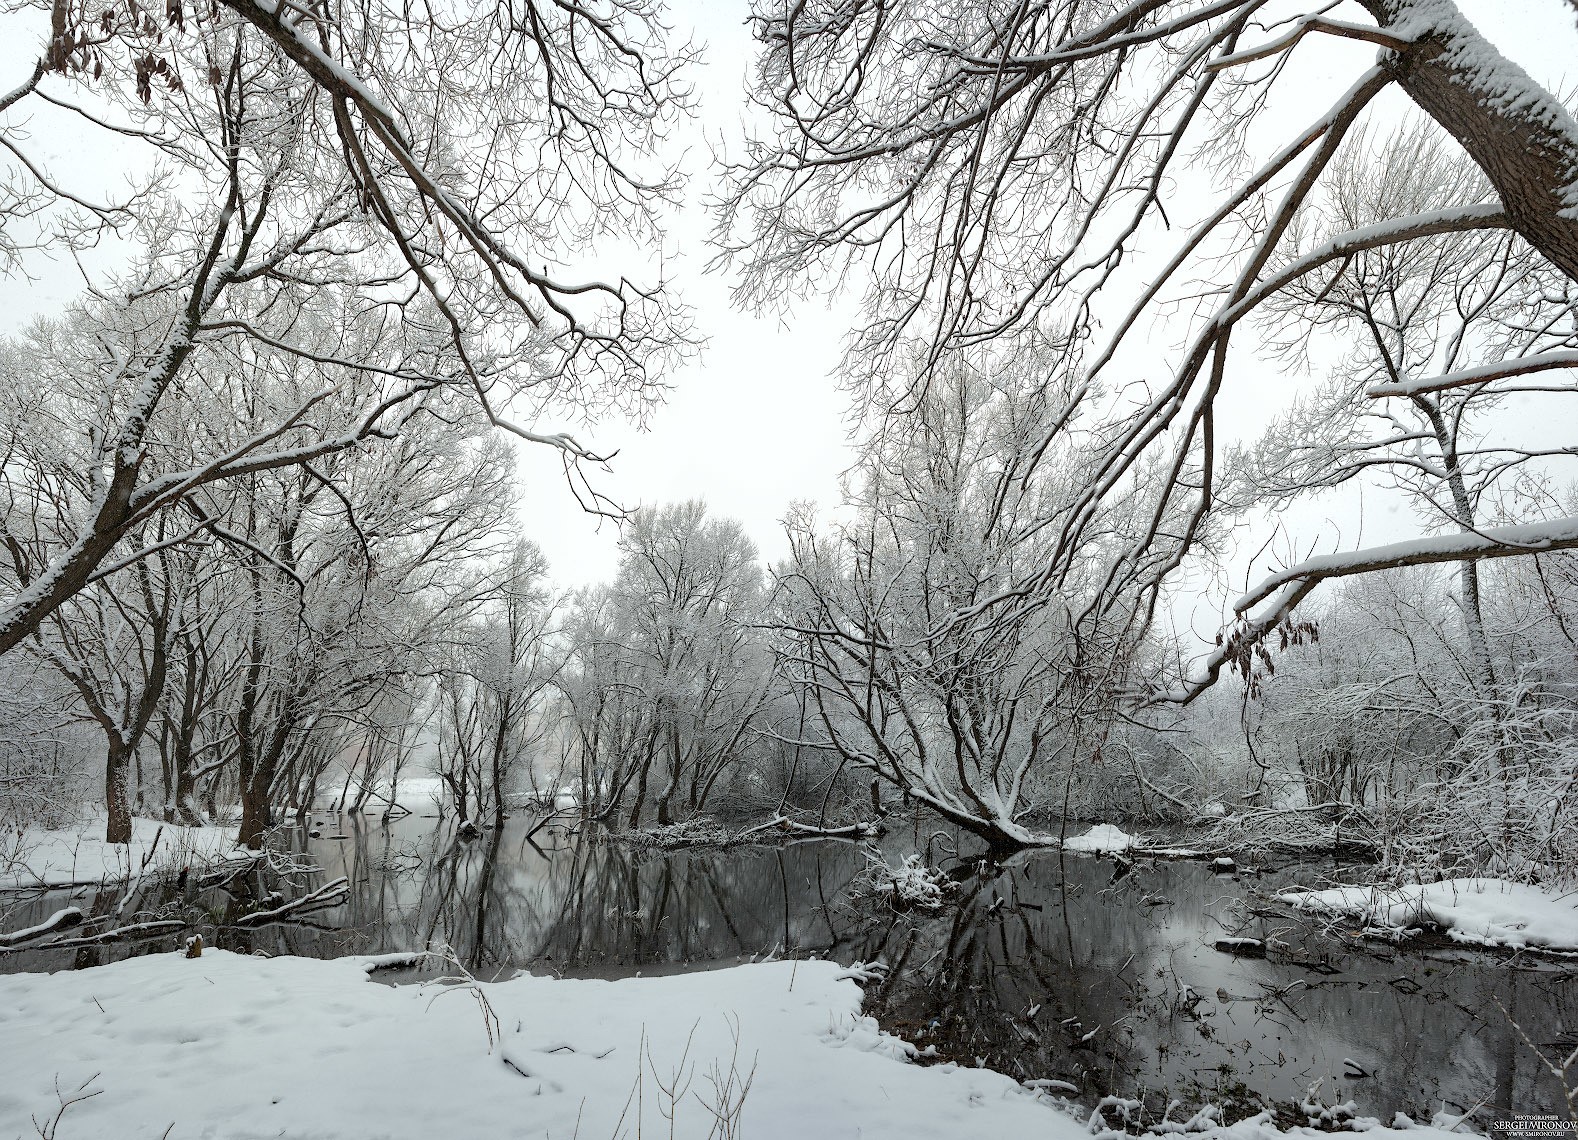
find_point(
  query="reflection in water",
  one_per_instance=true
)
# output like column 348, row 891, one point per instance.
column 582, row 906
column 1070, row 969
column 1116, row 986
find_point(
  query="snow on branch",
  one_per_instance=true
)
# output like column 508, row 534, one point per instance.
column 62, row 919
column 1491, row 542
column 1302, row 28
column 1393, row 231
column 1287, row 588
column 1478, row 374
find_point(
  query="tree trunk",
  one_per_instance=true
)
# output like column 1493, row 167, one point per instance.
column 501, row 730
column 117, row 799
column 666, row 797
column 641, row 795
column 184, row 802
column 256, row 818
column 1524, row 140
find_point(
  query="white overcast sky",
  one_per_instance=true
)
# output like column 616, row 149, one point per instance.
column 757, row 422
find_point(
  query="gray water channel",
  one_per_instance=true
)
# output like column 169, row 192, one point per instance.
column 1077, row 969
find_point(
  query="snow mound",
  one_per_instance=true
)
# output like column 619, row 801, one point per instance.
column 78, row 855
column 1482, row 912
column 236, row 1046
column 1104, row 837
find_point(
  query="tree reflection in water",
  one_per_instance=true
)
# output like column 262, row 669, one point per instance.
column 576, row 905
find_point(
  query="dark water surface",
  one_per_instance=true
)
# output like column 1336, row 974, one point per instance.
column 1072, row 969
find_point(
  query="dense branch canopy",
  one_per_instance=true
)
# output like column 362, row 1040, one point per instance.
column 1005, row 174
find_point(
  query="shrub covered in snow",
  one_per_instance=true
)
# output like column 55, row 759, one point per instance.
column 47, row 771
column 911, row 884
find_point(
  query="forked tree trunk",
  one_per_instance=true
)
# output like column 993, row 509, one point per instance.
column 185, row 797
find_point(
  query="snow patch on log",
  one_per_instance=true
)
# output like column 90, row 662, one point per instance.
column 1103, row 838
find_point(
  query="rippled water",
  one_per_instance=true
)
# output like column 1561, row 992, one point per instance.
column 1072, row 969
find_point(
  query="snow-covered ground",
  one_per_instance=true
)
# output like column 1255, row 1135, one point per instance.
column 421, row 795
column 232, row 1046
column 1104, row 837
column 239, row 1047
column 418, row 794
column 78, row 855
column 1484, row 912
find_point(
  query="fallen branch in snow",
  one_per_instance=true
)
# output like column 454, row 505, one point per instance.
column 136, row 932
column 704, row 832
column 62, row 919
column 783, row 823
column 330, row 894
column 399, row 960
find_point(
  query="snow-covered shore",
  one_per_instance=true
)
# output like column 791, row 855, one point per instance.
column 78, row 855
column 1480, row 912
column 232, row 1046
column 240, row 1048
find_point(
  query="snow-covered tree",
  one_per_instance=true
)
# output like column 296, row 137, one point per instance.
column 1047, row 179
column 668, row 673
column 934, row 655
column 494, row 700
column 1479, row 308
column 312, row 175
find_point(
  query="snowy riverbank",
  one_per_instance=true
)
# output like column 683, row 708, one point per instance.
column 1480, row 912
column 236, row 1047
column 231, row 1046
column 78, row 855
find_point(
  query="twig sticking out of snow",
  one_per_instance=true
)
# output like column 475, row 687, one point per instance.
column 48, row 1129
column 468, row 984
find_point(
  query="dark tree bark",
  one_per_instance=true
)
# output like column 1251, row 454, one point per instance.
column 1527, row 148
column 117, row 792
